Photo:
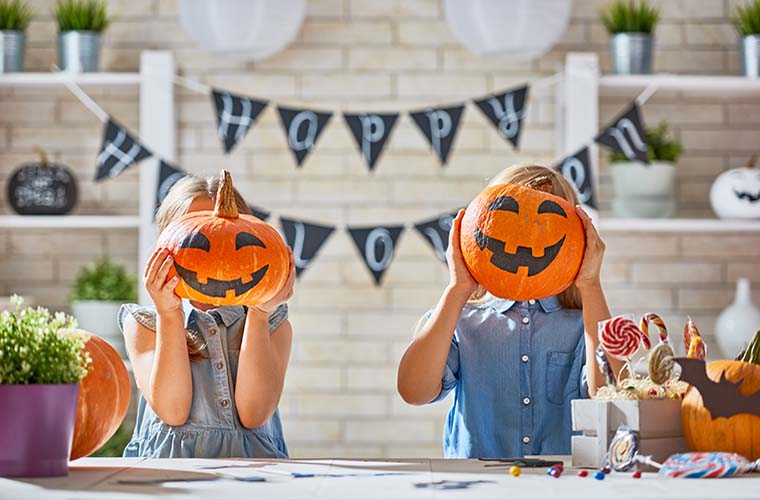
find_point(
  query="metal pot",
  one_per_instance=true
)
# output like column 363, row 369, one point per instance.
column 749, row 48
column 11, row 51
column 79, row 51
column 631, row 53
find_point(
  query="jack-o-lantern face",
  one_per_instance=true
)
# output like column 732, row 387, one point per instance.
column 226, row 258
column 520, row 243
column 735, row 194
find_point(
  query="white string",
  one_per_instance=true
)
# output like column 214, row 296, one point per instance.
column 646, row 94
column 81, row 95
column 548, row 81
column 191, row 84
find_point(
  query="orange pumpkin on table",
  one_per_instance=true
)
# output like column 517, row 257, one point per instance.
column 521, row 243
column 224, row 257
column 103, row 398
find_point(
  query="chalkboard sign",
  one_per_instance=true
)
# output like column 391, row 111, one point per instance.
column 42, row 189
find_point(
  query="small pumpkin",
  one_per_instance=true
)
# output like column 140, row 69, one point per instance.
column 735, row 194
column 522, row 243
column 42, row 188
column 103, row 398
column 224, row 257
column 739, row 433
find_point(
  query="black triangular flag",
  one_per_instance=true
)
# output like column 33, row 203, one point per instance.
column 376, row 245
column 235, row 115
column 305, row 239
column 371, row 131
column 577, row 170
column 436, row 233
column 506, row 111
column 119, row 151
column 259, row 212
column 439, row 127
column 302, row 128
column 168, row 175
column 625, row 134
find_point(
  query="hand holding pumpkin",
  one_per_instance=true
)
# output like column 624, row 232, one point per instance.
column 285, row 293
column 459, row 276
column 160, row 289
column 591, row 265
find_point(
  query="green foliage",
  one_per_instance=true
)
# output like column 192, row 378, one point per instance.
column 661, row 148
column 630, row 16
column 114, row 447
column 747, row 19
column 14, row 15
column 82, row 15
column 33, row 351
column 104, row 280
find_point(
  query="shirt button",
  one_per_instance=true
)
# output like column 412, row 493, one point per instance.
column 213, row 331
column 531, row 302
column 526, row 401
column 225, row 403
column 525, row 358
column 219, row 365
column 526, row 439
column 526, row 320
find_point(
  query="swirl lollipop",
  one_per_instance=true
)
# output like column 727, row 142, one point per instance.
column 661, row 364
column 706, row 465
column 621, row 337
column 623, row 450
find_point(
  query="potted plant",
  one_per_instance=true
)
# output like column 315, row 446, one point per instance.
column 643, row 190
column 40, row 372
column 631, row 24
column 99, row 291
column 14, row 19
column 80, row 25
column 747, row 24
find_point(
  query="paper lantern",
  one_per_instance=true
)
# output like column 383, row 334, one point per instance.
column 245, row 29
column 515, row 29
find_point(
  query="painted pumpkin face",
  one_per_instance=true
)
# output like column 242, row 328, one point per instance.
column 226, row 258
column 735, row 194
column 520, row 243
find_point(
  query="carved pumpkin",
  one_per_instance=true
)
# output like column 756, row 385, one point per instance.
column 521, row 243
column 103, row 398
column 224, row 257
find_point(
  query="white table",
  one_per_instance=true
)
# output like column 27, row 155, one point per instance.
column 118, row 478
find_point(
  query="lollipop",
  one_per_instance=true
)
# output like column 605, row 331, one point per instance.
column 623, row 449
column 604, row 365
column 706, row 465
column 697, row 349
column 661, row 364
column 620, row 338
column 656, row 321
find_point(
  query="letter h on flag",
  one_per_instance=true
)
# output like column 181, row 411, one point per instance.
column 118, row 151
column 235, row 115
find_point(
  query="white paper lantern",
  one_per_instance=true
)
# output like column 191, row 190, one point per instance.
column 244, row 29
column 515, row 29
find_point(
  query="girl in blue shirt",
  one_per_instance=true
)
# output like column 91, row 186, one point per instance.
column 514, row 367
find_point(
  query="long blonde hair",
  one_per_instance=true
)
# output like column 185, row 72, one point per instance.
column 553, row 183
column 174, row 206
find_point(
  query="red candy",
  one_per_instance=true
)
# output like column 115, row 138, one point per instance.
column 606, row 469
column 582, row 473
column 637, row 474
column 620, row 337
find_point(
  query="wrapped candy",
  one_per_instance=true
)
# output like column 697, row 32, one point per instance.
column 624, row 447
column 693, row 343
column 706, row 465
column 604, row 365
column 661, row 363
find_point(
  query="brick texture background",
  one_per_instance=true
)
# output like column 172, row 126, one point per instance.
column 377, row 55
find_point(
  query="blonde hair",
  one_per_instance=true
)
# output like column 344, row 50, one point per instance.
column 174, row 206
column 551, row 182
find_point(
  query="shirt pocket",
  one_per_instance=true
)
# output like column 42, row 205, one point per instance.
column 559, row 380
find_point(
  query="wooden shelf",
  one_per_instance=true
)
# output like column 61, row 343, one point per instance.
column 611, row 224
column 696, row 84
column 68, row 221
column 54, row 79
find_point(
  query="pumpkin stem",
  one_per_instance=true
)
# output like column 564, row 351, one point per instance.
column 541, row 183
column 751, row 353
column 752, row 162
column 41, row 153
column 225, row 198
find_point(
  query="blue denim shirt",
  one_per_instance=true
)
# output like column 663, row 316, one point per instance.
column 514, row 367
column 213, row 428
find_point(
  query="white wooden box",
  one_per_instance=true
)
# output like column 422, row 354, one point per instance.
column 658, row 423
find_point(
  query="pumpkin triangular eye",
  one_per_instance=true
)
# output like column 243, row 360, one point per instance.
column 247, row 240
column 551, row 207
column 197, row 240
column 506, row 203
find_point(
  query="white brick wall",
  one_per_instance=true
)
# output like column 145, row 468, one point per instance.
column 340, row 396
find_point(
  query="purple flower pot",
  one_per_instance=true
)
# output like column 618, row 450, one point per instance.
column 36, row 429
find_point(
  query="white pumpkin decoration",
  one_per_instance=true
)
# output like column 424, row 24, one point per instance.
column 735, row 194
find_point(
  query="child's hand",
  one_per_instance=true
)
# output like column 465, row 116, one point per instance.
column 159, row 289
column 285, row 293
column 459, row 276
column 591, row 267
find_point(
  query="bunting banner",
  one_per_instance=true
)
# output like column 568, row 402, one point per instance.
column 577, row 170
column 259, row 213
column 371, row 131
column 439, row 126
column 305, row 239
column 377, row 246
column 302, row 128
column 235, row 115
column 168, row 175
column 436, row 233
column 118, row 151
column 625, row 134
column 506, row 111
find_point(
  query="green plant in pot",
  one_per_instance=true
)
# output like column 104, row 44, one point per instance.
column 15, row 16
column 631, row 25
column 41, row 364
column 647, row 190
column 80, row 27
column 747, row 22
column 99, row 290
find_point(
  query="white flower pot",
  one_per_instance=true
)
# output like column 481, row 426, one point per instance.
column 99, row 317
column 643, row 190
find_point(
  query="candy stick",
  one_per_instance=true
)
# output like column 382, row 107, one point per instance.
column 697, row 349
column 656, row 321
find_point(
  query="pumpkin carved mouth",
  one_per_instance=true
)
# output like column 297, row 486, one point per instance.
column 523, row 256
column 219, row 288
column 744, row 195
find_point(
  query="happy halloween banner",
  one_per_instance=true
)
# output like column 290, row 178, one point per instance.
column 236, row 115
